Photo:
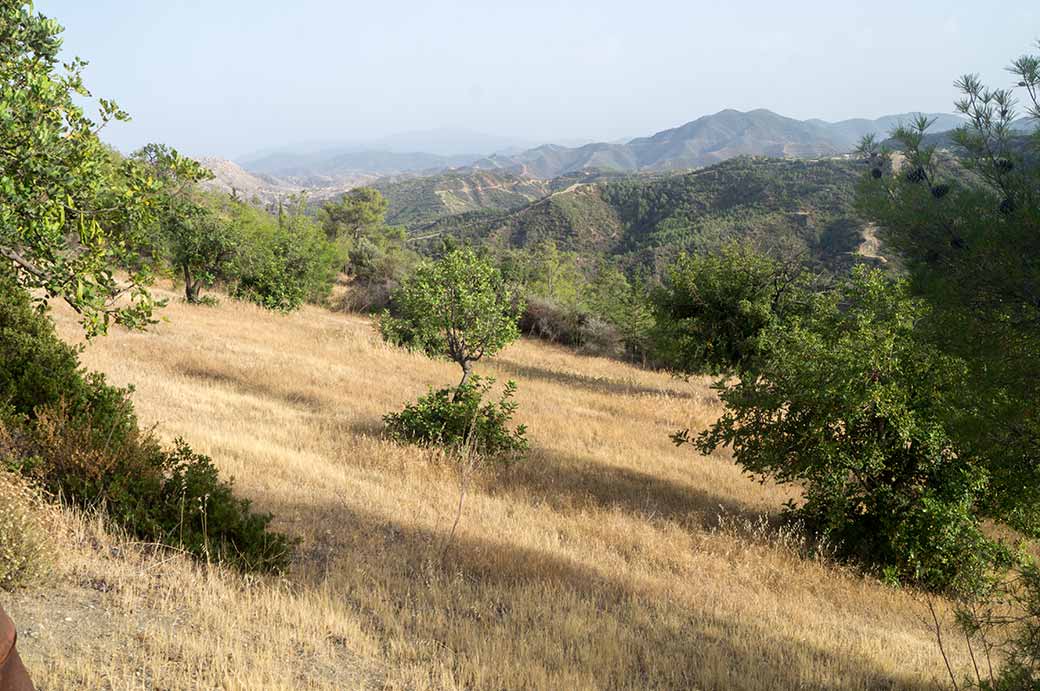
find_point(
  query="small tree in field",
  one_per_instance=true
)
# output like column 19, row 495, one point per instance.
column 458, row 307
column 461, row 308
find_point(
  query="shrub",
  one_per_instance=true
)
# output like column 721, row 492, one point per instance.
column 282, row 262
column 851, row 406
column 39, row 369
column 78, row 436
column 174, row 497
column 715, row 307
column 24, row 547
column 546, row 319
column 458, row 418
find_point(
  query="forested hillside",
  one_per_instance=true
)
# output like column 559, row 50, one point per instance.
column 799, row 207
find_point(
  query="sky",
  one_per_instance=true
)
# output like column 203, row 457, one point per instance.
column 231, row 77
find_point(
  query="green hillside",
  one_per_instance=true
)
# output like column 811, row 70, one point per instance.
column 799, row 207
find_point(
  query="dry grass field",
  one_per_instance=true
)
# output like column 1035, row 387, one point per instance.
column 608, row 559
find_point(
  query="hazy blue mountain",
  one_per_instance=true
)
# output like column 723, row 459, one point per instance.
column 325, row 167
column 449, row 142
column 701, row 142
column 705, row 141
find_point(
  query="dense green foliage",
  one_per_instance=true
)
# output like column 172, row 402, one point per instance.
column 597, row 309
column 282, row 261
column 850, row 404
column 970, row 244
column 971, row 254
column 458, row 307
column 78, row 436
column 459, row 419
column 69, row 214
column 378, row 257
column 714, row 308
column 356, row 211
column 188, row 235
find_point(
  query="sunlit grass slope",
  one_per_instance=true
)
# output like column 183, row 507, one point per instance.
column 607, row 559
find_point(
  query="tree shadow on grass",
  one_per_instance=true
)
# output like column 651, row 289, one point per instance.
column 597, row 384
column 511, row 616
column 255, row 386
column 572, row 482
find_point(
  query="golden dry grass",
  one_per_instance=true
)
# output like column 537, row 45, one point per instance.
column 607, row 559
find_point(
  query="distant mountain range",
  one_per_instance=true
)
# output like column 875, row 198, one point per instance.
column 702, row 142
column 708, row 140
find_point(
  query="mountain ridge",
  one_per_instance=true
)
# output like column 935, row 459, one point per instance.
column 704, row 141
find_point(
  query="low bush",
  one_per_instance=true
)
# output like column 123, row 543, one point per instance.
column 458, row 418
column 601, row 338
column 580, row 328
column 551, row 321
column 366, row 297
column 79, row 437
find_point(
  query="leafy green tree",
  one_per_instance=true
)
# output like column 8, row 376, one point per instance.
column 713, row 309
column 849, row 404
column 458, row 307
column 282, row 261
column 193, row 239
column 357, row 210
column 554, row 275
column 69, row 216
column 624, row 304
column 970, row 244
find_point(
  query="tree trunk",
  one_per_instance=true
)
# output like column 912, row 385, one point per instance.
column 191, row 288
column 467, row 369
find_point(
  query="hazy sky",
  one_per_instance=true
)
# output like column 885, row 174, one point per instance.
column 227, row 77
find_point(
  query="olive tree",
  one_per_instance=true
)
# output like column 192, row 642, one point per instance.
column 458, row 307
column 193, row 239
column 71, row 213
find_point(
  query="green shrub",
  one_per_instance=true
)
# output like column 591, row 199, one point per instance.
column 851, row 406
column 24, row 546
column 78, row 436
column 458, row 418
column 713, row 310
column 282, row 262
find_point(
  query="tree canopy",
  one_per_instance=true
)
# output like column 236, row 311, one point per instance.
column 356, row 210
column 70, row 212
column 458, row 307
